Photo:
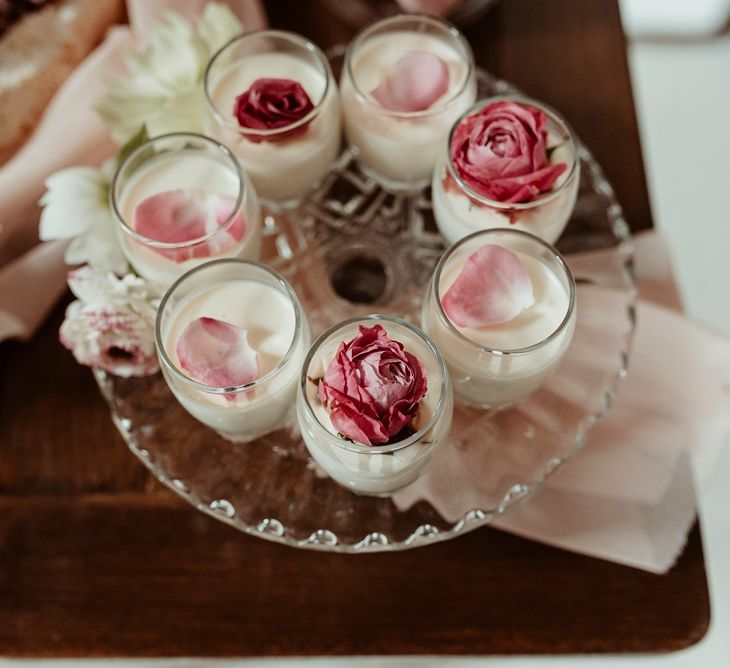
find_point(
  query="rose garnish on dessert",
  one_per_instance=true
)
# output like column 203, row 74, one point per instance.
column 231, row 362
column 509, row 162
column 271, row 97
column 270, row 104
column 180, row 200
column 501, row 308
column 374, row 403
column 372, row 388
column 406, row 80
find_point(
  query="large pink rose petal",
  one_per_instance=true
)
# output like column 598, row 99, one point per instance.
column 415, row 82
column 180, row 216
column 492, row 287
column 217, row 353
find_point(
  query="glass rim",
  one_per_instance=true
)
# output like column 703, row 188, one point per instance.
column 507, row 352
column 243, row 189
column 287, row 289
column 443, row 25
column 263, row 133
column 360, row 448
column 553, row 115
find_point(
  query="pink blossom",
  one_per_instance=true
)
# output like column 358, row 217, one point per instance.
column 372, row 387
column 270, row 104
column 501, row 152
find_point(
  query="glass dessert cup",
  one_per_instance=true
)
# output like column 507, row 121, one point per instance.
column 498, row 377
column 233, row 290
column 459, row 210
column 284, row 163
column 194, row 164
column 400, row 149
column 377, row 470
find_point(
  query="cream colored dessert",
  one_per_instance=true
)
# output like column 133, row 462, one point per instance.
column 402, row 148
column 190, row 171
column 288, row 168
column 374, row 470
column 495, row 365
column 458, row 215
column 269, row 318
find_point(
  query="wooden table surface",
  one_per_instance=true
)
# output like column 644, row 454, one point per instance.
column 98, row 559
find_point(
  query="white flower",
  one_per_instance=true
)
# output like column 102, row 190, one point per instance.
column 163, row 90
column 76, row 206
column 112, row 323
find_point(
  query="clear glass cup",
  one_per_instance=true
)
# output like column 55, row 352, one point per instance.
column 383, row 469
column 186, row 162
column 234, row 291
column 459, row 210
column 500, row 376
column 285, row 164
column 400, row 149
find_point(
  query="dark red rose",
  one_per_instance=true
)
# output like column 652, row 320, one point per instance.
column 372, row 387
column 270, row 104
column 501, row 153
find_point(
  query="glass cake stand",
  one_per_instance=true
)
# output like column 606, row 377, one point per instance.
column 354, row 249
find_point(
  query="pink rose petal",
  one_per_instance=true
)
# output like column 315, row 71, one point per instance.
column 415, row 82
column 492, row 287
column 217, row 353
column 180, row 216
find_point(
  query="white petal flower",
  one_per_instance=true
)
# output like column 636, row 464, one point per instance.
column 76, row 206
column 163, row 89
column 112, row 324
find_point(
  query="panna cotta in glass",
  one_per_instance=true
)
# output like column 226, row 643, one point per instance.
column 405, row 82
column 509, row 162
column 231, row 338
column 271, row 97
column 374, row 403
column 180, row 200
column 500, row 306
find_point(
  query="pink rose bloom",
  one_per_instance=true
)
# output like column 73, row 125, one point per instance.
column 111, row 337
column 501, row 153
column 270, row 104
column 372, row 387
column 112, row 324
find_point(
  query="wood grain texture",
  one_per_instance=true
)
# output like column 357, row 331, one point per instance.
column 128, row 574
column 98, row 559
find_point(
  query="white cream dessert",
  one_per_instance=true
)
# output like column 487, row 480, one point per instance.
column 498, row 364
column 177, row 211
column 376, row 468
column 282, row 166
column 393, row 136
column 268, row 319
column 508, row 163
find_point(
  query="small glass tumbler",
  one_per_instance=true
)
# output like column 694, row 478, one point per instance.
column 377, row 470
column 167, row 182
column 288, row 162
column 234, row 291
column 459, row 210
column 400, row 149
column 487, row 369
